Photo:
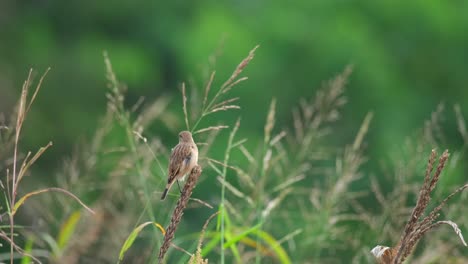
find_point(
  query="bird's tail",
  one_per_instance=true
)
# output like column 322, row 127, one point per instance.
column 163, row 196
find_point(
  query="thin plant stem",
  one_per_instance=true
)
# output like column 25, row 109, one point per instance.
column 125, row 121
column 269, row 125
column 207, row 109
column 133, row 149
column 23, row 108
column 223, row 187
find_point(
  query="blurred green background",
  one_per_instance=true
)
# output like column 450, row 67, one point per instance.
column 408, row 57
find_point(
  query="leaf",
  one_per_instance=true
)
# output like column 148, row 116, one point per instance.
column 133, row 235
column 274, row 245
column 26, row 259
column 67, row 229
column 215, row 237
column 455, row 228
column 237, row 238
column 27, row 163
column 228, row 236
column 55, row 251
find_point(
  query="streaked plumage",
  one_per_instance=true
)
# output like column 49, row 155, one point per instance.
column 184, row 157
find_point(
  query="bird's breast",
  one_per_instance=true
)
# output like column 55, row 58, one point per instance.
column 194, row 159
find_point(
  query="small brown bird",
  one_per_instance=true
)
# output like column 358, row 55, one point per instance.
column 184, row 157
column 384, row 255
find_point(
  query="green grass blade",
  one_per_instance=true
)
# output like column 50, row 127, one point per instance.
column 133, row 235
column 67, row 229
column 232, row 247
column 55, row 251
column 237, row 238
column 274, row 245
column 215, row 237
column 26, row 259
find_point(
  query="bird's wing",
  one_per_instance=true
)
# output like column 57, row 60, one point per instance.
column 181, row 153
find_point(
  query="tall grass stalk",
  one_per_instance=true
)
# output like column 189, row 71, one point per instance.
column 12, row 202
column 223, row 188
column 116, row 97
column 21, row 116
column 266, row 154
column 214, row 105
column 211, row 105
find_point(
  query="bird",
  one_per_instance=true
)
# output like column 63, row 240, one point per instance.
column 184, row 157
column 384, row 255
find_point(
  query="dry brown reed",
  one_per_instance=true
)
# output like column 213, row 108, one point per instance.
column 417, row 226
column 18, row 173
column 179, row 211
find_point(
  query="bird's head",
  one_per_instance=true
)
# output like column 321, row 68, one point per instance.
column 185, row 137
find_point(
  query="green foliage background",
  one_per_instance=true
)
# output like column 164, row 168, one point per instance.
column 408, row 57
